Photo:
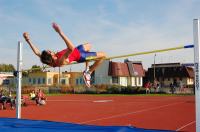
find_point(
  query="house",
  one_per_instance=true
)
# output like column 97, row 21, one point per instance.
column 128, row 73
column 46, row 78
column 6, row 78
column 76, row 78
column 168, row 73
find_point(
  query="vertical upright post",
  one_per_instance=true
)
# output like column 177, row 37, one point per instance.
column 154, row 69
column 59, row 77
column 19, row 79
column 197, row 68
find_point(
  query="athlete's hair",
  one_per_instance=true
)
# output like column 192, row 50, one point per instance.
column 46, row 58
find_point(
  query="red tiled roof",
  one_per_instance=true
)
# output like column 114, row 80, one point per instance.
column 190, row 72
column 125, row 70
column 118, row 69
column 139, row 69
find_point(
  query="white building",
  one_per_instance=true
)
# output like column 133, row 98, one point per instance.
column 128, row 73
column 6, row 78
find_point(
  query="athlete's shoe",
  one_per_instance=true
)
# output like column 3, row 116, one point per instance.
column 87, row 77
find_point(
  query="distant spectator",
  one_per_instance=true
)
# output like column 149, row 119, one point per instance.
column 12, row 100
column 40, row 98
column 32, row 95
column 181, row 86
column 156, row 86
column 172, row 87
column 147, row 87
column 4, row 99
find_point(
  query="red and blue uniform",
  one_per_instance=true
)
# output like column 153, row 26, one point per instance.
column 78, row 54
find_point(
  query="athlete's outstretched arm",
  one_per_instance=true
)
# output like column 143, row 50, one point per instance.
column 69, row 44
column 33, row 47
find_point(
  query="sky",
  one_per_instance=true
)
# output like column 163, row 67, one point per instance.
column 116, row 27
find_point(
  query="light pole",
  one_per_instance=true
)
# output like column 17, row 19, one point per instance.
column 154, row 69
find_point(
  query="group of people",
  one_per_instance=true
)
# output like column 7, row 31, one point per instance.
column 177, row 86
column 155, row 85
column 38, row 97
column 6, row 98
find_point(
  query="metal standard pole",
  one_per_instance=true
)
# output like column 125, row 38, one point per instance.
column 19, row 79
column 154, row 69
column 59, row 77
column 197, row 68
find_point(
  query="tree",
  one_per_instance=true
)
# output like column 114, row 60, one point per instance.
column 36, row 68
column 7, row 68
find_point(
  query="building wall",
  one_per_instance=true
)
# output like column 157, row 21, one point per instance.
column 36, row 78
column 168, row 81
column 46, row 78
column 101, row 77
column 6, row 78
column 133, row 81
column 76, row 78
column 101, row 74
column 64, row 79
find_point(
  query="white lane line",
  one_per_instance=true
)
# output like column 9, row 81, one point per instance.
column 95, row 101
column 102, row 101
column 69, row 100
column 185, row 126
column 129, row 113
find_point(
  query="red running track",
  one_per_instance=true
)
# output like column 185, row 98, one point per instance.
column 149, row 112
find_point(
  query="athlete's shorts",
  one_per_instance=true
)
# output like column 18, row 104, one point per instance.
column 85, row 55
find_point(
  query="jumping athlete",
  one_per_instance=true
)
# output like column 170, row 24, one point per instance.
column 68, row 55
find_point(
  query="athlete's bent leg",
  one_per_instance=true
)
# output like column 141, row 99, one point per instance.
column 100, row 57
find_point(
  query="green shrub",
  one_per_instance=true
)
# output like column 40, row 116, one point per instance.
column 101, row 88
column 79, row 89
column 67, row 89
column 127, row 90
column 114, row 89
column 91, row 90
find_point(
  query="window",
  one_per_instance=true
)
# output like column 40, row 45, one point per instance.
column 49, row 80
column 43, row 81
column 6, row 82
column 139, row 80
column 63, row 81
column 115, row 80
column 39, row 81
column 136, row 81
column 81, row 81
column 34, row 80
column 29, row 80
column 77, row 81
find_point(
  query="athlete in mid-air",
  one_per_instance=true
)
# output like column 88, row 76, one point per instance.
column 68, row 55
